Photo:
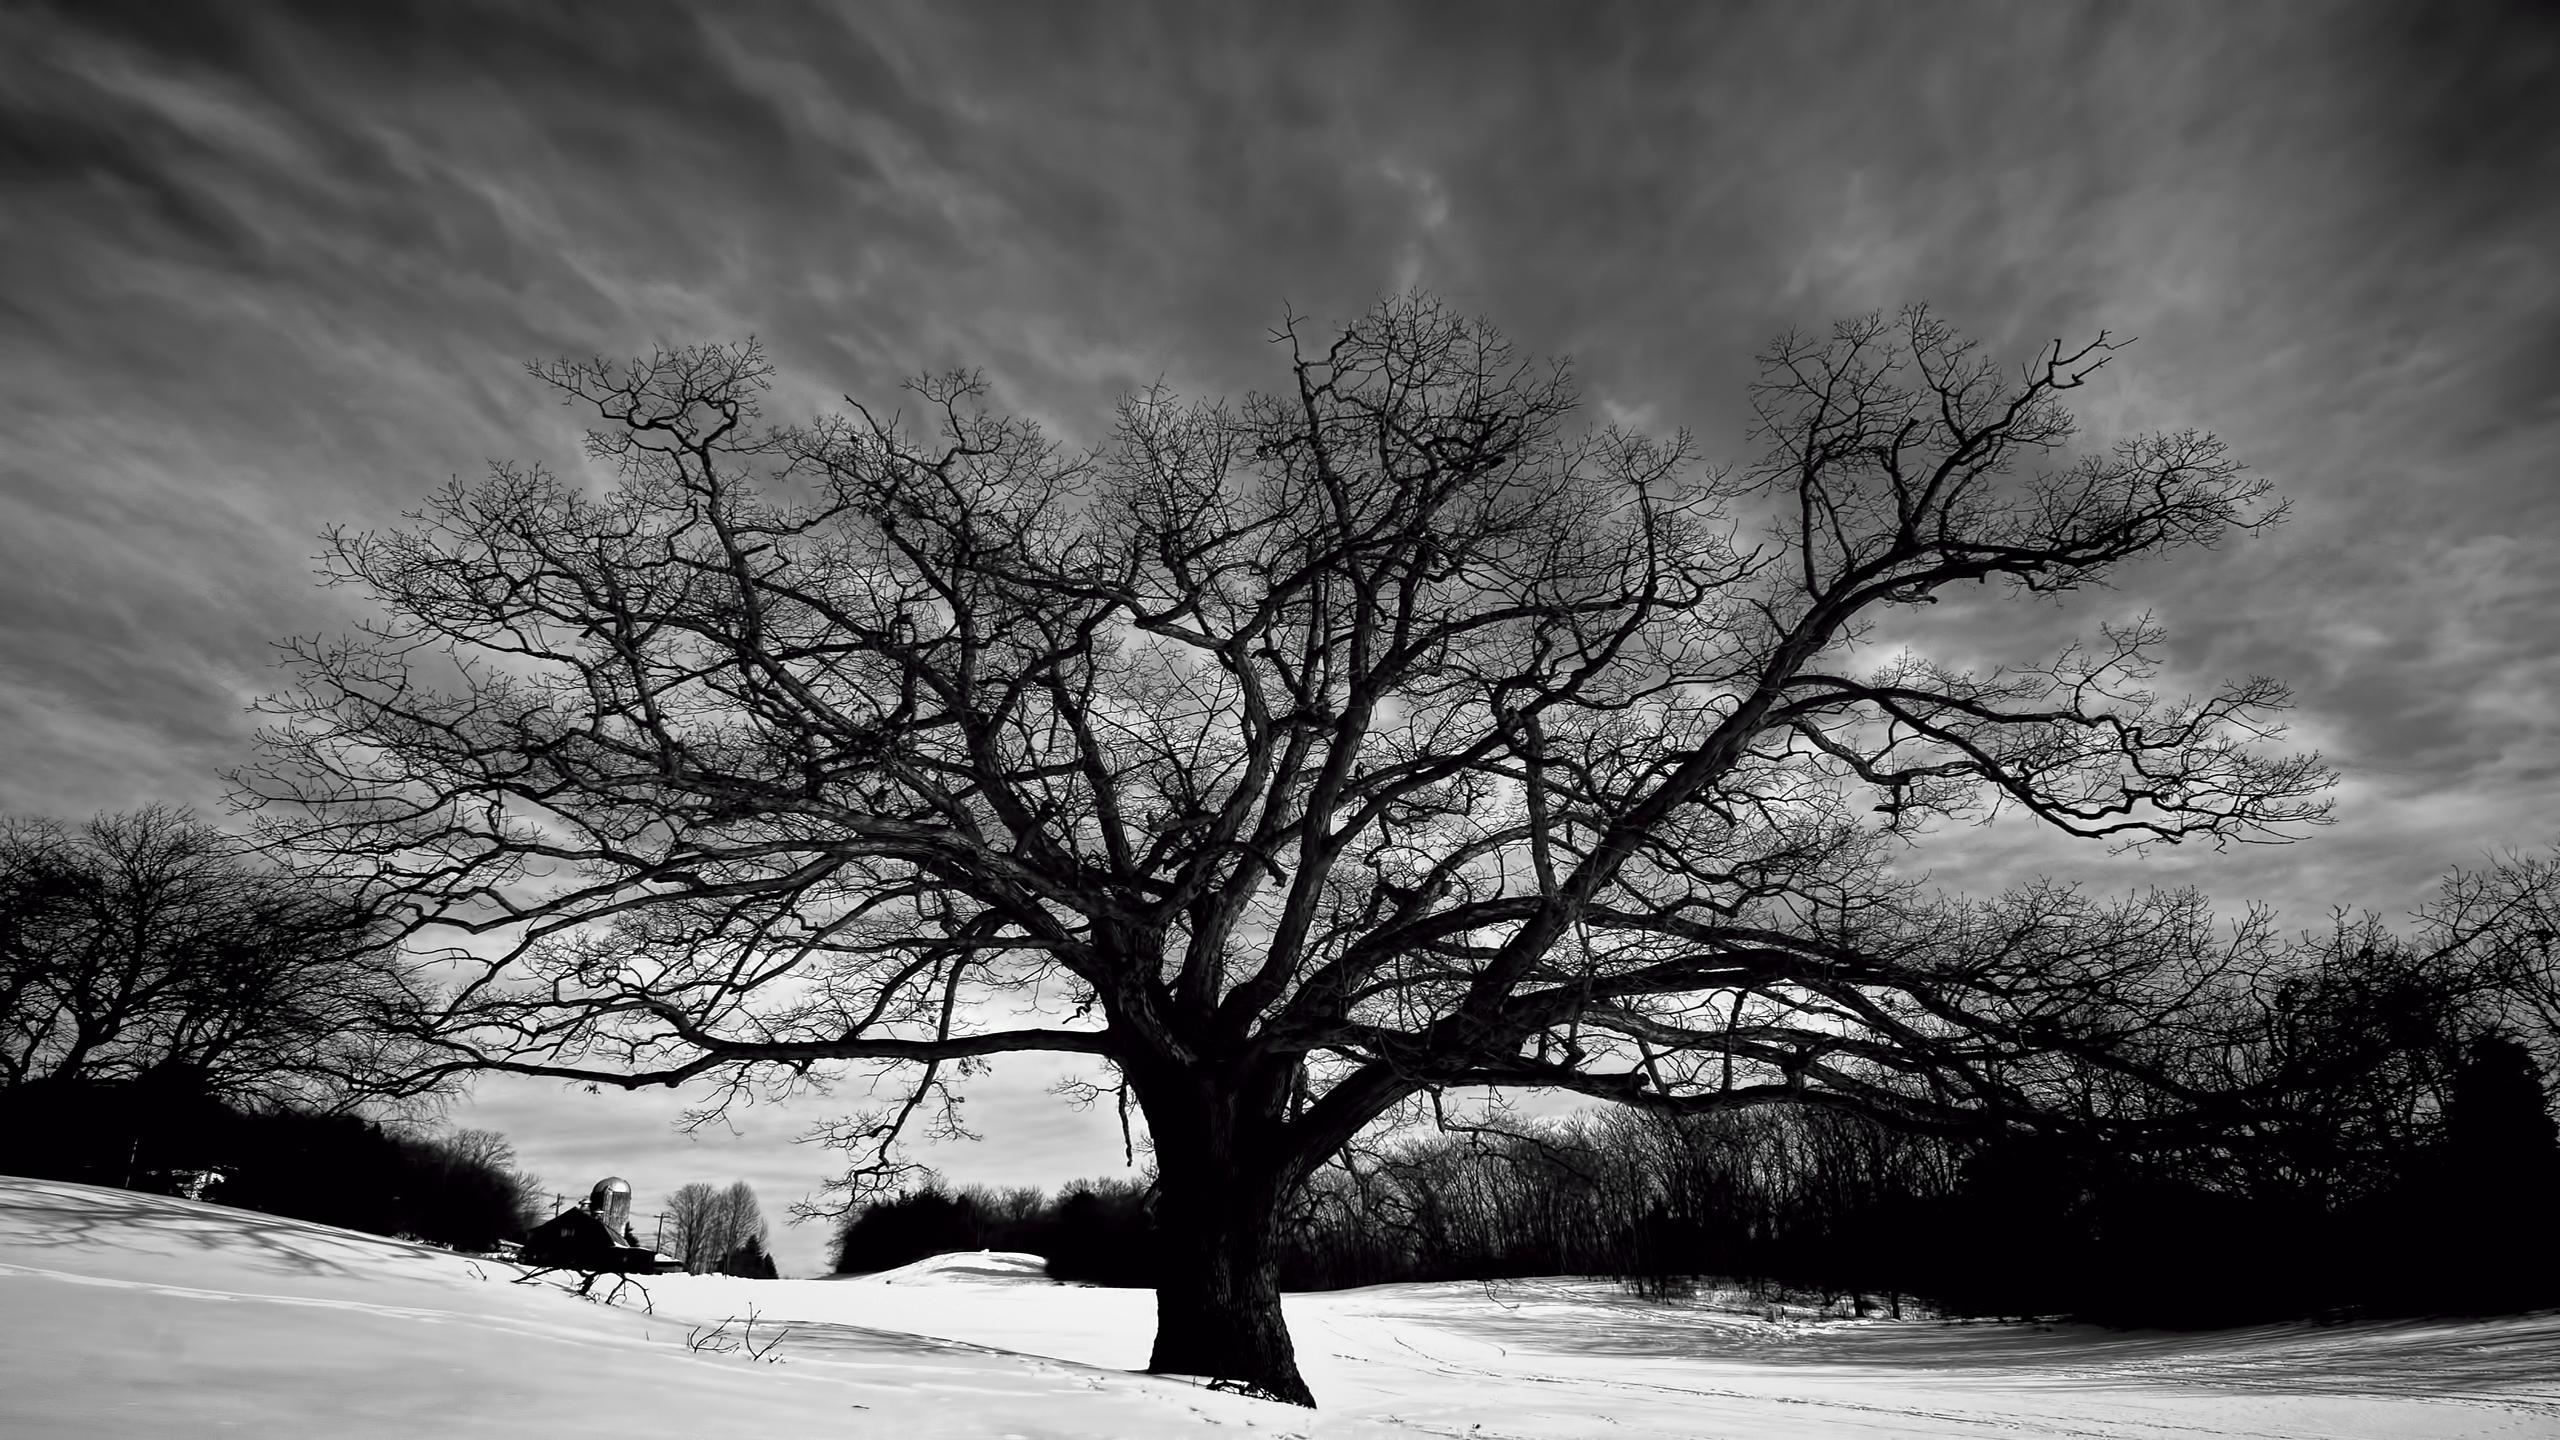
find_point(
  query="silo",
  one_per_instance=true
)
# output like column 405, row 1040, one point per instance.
column 611, row 1202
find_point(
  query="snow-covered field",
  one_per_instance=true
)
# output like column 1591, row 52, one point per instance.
column 135, row 1315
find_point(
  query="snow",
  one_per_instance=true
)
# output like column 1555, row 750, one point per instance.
column 132, row 1315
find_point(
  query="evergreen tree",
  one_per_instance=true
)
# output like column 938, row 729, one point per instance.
column 749, row 1261
column 2498, row 1117
column 2501, row 1164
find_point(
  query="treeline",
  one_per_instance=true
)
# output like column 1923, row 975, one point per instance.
column 2360, row 1123
column 1840, row 1209
column 2452, row 1215
column 165, row 1133
column 177, row 1016
column 1095, row 1231
column 1791, row 1198
column 2351, row 1120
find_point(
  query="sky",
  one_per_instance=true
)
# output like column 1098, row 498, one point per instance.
column 268, row 268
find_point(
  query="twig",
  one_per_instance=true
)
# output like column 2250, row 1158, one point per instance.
column 720, row 1342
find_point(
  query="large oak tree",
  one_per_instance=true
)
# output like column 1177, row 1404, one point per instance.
column 1292, row 758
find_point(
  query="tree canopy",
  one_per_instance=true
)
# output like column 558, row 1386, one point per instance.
column 1292, row 757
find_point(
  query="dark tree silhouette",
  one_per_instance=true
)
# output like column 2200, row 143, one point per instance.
column 749, row 1261
column 2337, row 1059
column 150, row 944
column 894, row 1230
column 2500, row 925
column 2501, row 1167
column 2499, row 1114
column 1295, row 757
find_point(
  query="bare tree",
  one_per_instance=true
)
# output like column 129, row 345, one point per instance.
column 493, row 1153
column 742, row 1219
column 706, row 1224
column 480, row 1147
column 148, row 943
column 2498, row 928
column 2339, row 1059
column 697, row 1226
column 1292, row 759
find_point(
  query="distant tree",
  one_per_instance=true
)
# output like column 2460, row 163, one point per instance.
column 1096, row 1231
column 484, row 1163
column 149, row 943
column 748, row 1261
column 2336, row 1063
column 480, row 1147
column 705, row 1223
column 2498, row 1115
column 342, row 1169
column 2501, row 924
column 696, row 1228
column 2500, row 1177
column 1104, row 1232
column 888, row 1231
column 1309, row 755
column 741, row 1217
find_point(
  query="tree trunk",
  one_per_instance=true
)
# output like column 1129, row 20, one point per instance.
column 1218, row 1292
column 1217, row 1214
